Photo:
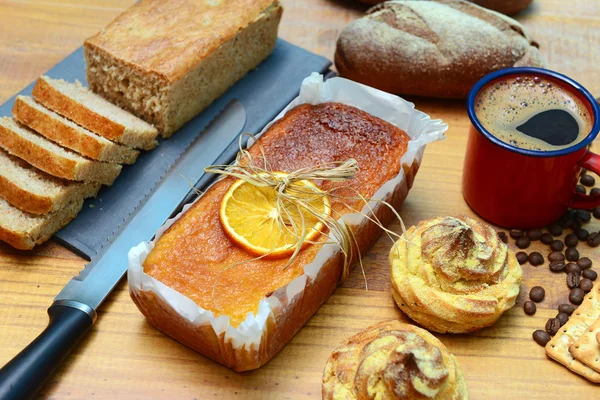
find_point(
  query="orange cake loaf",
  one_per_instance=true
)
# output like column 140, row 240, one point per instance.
column 244, row 313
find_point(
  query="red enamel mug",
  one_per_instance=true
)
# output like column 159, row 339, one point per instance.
column 521, row 188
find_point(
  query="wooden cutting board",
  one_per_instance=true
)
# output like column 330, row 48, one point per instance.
column 124, row 357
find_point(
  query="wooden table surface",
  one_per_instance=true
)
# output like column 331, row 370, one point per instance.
column 124, row 357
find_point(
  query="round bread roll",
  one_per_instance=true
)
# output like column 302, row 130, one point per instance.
column 453, row 274
column 508, row 7
column 392, row 360
column 431, row 48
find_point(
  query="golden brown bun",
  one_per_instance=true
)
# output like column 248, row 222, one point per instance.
column 453, row 274
column 392, row 360
column 431, row 48
column 508, row 7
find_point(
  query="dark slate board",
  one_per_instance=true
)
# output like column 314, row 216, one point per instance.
column 264, row 92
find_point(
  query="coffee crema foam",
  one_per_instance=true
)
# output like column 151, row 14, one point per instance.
column 504, row 105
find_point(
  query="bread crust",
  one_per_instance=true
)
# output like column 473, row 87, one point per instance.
column 284, row 322
column 178, row 67
column 56, row 101
column 45, row 227
column 165, row 39
column 37, row 156
column 508, row 7
column 406, row 47
column 54, row 128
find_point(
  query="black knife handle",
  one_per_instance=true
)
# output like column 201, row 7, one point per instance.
column 25, row 374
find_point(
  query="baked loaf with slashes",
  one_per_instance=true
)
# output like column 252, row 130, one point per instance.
column 453, row 274
column 432, row 48
column 392, row 360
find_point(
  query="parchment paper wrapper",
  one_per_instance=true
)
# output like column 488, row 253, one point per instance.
column 250, row 332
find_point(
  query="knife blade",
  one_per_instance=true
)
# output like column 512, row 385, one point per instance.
column 74, row 309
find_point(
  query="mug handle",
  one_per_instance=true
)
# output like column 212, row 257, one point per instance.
column 591, row 162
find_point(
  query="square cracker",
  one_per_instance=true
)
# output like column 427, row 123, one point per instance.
column 558, row 348
column 586, row 349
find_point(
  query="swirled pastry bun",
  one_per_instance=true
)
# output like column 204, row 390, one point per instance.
column 392, row 360
column 453, row 274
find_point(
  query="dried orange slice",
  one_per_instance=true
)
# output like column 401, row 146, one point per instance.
column 249, row 216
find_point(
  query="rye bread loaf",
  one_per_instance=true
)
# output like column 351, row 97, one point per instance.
column 431, row 48
column 165, row 61
column 508, row 7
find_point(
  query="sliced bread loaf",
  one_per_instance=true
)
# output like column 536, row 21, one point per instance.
column 23, row 231
column 36, row 192
column 80, row 105
column 43, row 154
column 70, row 135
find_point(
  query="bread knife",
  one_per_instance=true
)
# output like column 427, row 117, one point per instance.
column 75, row 308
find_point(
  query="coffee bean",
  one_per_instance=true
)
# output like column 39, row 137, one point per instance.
column 573, row 268
column 580, row 189
column 557, row 266
column 576, row 296
column 597, row 211
column 571, row 240
column 556, row 256
column 577, row 223
column 586, row 285
column 503, row 236
column 535, row 258
column 587, row 180
column 555, row 230
column 566, row 222
column 594, row 239
column 523, row 242
column 529, row 308
column 557, row 245
column 552, row 326
column 567, row 309
column 572, row 254
column 584, row 215
column 595, row 192
column 572, row 280
column 537, row 293
column 584, row 263
column 515, row 233
column 541, row 337
column 547, row 238
column 582, row 234
column 589, row 274
column 535, row 234
column 563, row 317
column 522, row 257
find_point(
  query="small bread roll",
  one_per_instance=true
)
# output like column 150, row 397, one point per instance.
column 392, row 360
column 453, row 274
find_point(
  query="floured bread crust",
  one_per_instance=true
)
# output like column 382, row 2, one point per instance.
column 432, row 48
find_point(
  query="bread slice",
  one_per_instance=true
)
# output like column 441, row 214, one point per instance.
column 23, row 231
column 70, row 135
column 80, row 105
column 166, row 61
column 51, row 158
column 36, row 192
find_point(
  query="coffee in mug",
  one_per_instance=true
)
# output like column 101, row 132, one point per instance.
column 533, row 112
